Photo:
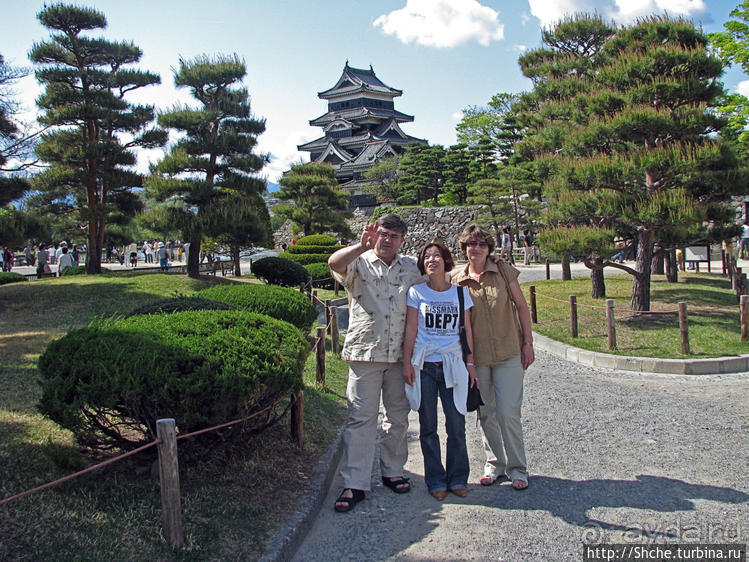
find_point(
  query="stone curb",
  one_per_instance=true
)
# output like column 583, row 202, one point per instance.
column 712, row 366
column 290, row 535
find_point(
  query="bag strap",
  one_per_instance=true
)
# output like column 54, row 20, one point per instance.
column 461, row 306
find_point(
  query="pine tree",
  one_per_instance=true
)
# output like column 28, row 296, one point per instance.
column 213, row 161
column 320, row 206
column 90, row 151
column 621, row 122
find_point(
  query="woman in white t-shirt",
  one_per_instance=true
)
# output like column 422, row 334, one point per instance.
column 433, row 366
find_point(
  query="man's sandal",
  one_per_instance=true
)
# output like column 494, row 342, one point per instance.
column 349, row 503
column 398, row 484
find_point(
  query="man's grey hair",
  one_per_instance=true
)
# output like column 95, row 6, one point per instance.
column 393, row 222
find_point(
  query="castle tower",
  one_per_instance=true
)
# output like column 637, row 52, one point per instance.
column 360, row 127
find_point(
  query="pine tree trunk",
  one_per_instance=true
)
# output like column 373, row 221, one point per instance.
column 656, row 266
column 93, row 251
column 672, row 268
column 235, row 257
column 598, row 285
column 641, row 282
column 193, row 259
column 566, row 271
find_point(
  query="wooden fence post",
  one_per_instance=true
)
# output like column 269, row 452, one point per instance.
column 548, row 270
column 320, row 363
column 534, row 312
column 573, row 316
column 610, row 323
column 336, row 286
column 335, row 345
column 328, row 325
column 171, row 509
column 683, row 328
column 744, row 307
column 312, row 295
column 297, row 418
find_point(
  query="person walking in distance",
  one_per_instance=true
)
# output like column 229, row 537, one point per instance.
column 377, row 280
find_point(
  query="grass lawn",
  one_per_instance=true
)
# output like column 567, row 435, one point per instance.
column 713, row 316
column 232, row 499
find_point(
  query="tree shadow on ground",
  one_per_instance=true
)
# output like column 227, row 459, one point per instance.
column 571, row 500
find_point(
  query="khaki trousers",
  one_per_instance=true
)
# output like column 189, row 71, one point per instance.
column 502, row 392
column 366, row 381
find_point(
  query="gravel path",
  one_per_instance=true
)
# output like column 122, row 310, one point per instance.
column 614, row 456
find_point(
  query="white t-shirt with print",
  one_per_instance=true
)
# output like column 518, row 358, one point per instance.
column 438, row 315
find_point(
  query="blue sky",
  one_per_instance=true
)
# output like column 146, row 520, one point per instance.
column 445, row 55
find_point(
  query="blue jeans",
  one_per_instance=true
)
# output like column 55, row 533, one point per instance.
column 436, row 477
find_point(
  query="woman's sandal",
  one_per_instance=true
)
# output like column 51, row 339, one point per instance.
column 519, row 484
column 398, row 484
column 356, row 497
column 489, row 479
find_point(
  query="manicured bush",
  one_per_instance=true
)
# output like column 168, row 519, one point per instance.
column 180, row 304
column 316, row 240
column 76, row 270
column 10, row 277
column 297, row 249
column 280, row 271
column 279, row 302
column 318, row 270
column 109, row 382
column 305, row 259
column 321, row 276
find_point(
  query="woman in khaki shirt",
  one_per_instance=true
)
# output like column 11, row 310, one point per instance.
column 502, row 352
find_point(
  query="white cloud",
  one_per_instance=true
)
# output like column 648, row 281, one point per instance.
column 743, row 88
column 283, row 153
column 621, row 11
column 442, row 23
column 520, row 48
column 458, row 115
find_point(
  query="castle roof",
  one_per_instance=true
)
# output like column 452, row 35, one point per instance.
column 360, row 114
column 354, row 80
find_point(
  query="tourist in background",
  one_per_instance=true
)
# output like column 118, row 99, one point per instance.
column 76, row 256
column 433, row 366
column 502, row 351
column 744, row 245
column 65, row 262
column 163, row 257
column 42, row 261
column 528, row 247
column 28, row 253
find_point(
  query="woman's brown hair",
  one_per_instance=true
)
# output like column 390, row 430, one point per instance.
column 479, row 234
column 447, row 257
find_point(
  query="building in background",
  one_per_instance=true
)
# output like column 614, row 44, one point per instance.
column 360, row 127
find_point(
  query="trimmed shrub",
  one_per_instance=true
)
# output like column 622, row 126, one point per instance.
column 278, row 302
column 76, row 270
column 316, row 240
column 280, row 271
column 297, row 249
column 318, row 270
column 305, row 259
column 109, row 382
column 321, row 276
column 180, row 304
column 10, row 277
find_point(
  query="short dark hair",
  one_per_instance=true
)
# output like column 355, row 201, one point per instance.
column 444, row 252
column 477, row 233
column 392, row 222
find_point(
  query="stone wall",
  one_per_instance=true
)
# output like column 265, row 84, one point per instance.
column 423, row 224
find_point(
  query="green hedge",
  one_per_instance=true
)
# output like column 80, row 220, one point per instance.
column 318, row 270
column 317, row 240
column 297, row 249
column 305, row 259
column 10, row 277
column 280, row 271
column 180, row 304
column 109, row 382
column 279, row 302
column 76, row 270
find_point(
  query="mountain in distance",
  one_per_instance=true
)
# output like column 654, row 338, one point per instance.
column 271, row 187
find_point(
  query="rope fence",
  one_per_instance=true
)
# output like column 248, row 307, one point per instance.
column 612, row 314
column 166, row 442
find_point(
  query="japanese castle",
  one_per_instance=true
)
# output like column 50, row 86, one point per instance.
column 360, row 127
